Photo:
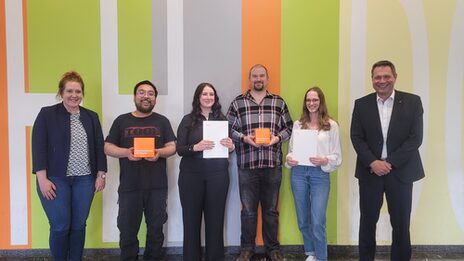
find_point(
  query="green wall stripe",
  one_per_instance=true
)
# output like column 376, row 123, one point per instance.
column 135, row 52
column 64, row 39
column 63, row 35
column 309, row 57
column 134, row 43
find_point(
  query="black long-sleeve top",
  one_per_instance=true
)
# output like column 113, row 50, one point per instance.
column 187, row 136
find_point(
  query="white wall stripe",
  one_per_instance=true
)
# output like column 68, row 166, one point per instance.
column 18, row 119
column 124, row 104
column 357, row 90
column 420, row 73
column 416, row 18
column 453, row 115
column 174, row 99
column 113, row 104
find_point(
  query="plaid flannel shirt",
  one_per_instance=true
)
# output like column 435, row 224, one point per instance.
column 245, row 115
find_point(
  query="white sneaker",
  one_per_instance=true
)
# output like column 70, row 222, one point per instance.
column 311, row 258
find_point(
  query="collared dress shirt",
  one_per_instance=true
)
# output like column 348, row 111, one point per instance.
column 385, row 112
column 245, row 114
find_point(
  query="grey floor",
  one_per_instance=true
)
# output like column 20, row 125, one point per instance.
column 258, row 257
column 291, row 253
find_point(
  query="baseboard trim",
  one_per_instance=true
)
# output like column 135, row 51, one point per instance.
column 418, row 251
column 334, row 251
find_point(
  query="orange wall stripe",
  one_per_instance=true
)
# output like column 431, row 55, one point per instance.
column 4, row 155
column 26, row 51
column 261, row 26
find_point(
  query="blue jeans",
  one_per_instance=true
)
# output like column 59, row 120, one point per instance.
column 67, row 215
column 311, row 186
column 260, row 186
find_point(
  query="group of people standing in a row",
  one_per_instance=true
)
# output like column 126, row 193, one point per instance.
column 69, row 159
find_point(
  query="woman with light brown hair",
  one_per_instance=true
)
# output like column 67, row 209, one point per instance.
column 70, row 165
column 311, row 184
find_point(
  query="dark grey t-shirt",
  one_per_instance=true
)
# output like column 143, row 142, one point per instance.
column 142, row 174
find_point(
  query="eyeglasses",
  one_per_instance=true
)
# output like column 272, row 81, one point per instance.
column 142, row 93
column 312, row 100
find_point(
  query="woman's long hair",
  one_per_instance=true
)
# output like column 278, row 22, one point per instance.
column 196, row 109
column 323, row 114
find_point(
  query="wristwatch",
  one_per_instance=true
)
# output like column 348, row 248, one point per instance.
column 103, row 176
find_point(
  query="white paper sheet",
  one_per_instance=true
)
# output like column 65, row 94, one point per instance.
column 216, row 131
column 304, row 146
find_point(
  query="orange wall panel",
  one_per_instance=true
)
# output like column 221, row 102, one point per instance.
column 261, row 27
column 4, row 155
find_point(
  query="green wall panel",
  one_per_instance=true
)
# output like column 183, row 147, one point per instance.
column 309, row 57
column 63, row 35
column 134, row 43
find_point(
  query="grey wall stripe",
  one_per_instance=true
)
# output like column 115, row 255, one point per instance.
column 212, row 48
column 212, row 53
column 160, row 46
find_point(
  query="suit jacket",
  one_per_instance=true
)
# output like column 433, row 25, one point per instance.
column 403, row 139
column 51, row 140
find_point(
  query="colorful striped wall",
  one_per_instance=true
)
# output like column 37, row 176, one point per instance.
column 179, row 43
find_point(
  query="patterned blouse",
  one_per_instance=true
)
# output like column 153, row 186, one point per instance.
column 79, row 163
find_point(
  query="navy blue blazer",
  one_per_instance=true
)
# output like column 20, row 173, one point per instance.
column 404, row 135
column 51, row 140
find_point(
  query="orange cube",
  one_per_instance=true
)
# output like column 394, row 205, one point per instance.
column 262, row 136
column 144, row 147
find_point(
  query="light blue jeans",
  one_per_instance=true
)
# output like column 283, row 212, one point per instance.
column 311, row 186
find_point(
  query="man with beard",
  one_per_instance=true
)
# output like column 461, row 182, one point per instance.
column 259, row 166
column 143, row 181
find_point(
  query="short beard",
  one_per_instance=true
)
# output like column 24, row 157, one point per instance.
column 141, row 109
column 258, row 88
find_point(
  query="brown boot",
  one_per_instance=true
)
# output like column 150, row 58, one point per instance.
column 245, row 255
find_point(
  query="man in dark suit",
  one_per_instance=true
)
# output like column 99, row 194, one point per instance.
column 386, row 132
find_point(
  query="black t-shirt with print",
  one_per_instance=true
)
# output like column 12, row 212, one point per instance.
column 142, row 174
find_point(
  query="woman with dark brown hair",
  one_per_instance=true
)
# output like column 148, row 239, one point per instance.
column 203, row 183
